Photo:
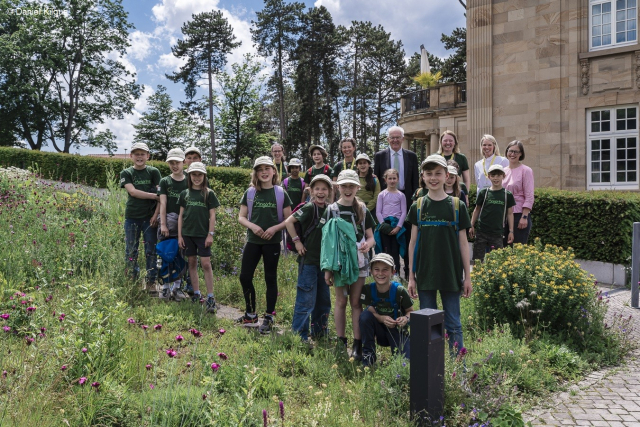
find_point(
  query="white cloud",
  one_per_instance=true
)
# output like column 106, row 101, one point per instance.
column 141, row 45
column 173, row 13
column 168, row 62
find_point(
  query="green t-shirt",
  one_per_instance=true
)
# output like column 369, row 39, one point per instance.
column 493, row 214
column 421, row 192
column 265, row 214
column 369, row 198
column 172, row 189
column 146, row 180
column 312, row 243
column 438, row 262
column 309, row 176
column 368, row 222
column 282, row 170
column 384, row 308
column 294, row 190
column 195, row 218
column 463, row 187
column 339, row 167
column 460, row 159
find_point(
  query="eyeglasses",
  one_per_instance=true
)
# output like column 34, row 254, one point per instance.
column 276, row 151
column 395, row 137
column 513, row 152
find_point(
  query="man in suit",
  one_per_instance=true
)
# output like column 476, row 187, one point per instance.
column 407, row 164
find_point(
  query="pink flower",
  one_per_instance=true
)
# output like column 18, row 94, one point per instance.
column 29, row 340
column 82, row 380
column 31, row 309
column 145, row 327
column 4, row 374
column 157, row 327
column 43, row 329
column 84, row 349
column 171, row 352
column 463, row 351
column 215, row 367
column 179, row 338
column 148, row 367
column 63, row 368
column 131, row 320
column 223, row 356
column 204, row 396
column 62, row 316
column 6, row 329
column 188, row 364
column 453, row 375
column 221, row 331
column 4, row 316
column 95, row 385
column 196, row 333
column 151, row 386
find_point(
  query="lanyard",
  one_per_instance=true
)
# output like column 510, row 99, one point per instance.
column 484, row 170
column 280, row 165
column 344, row 164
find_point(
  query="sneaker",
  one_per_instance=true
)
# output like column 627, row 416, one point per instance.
column 247, row 320
column 165, row 294
column 196, row 298
column 266, row 325
column 152, row 289
column 178, row 295
column 211, row 305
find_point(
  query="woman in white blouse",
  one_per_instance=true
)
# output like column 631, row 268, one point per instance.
column 489, row 150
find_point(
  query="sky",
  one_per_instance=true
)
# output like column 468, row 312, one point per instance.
column 157, row 27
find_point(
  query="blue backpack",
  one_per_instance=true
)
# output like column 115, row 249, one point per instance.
column 375, row 299
column 455, row 206
column 173, row 265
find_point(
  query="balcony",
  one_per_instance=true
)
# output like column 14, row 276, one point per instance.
column 440, row 97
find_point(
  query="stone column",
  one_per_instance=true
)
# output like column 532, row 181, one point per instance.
column 479, row 72
column 434, row 142
column 406, row 142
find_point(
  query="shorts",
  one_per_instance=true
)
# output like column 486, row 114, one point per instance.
column 195, row 246
column 364, row 272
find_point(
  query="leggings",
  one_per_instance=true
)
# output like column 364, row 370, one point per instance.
column 250, row 258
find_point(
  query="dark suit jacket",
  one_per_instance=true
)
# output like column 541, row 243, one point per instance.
column 382, row 162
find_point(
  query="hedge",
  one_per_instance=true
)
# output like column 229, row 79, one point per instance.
column 94, row 170
column 598, row 225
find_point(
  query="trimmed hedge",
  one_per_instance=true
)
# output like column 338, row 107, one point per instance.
column 598, row 225
column 94, row 170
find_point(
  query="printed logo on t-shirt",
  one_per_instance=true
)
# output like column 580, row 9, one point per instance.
column 141, row 181
column 495, row 202
column 196, row 203
column 264, row 204
column 173, row 193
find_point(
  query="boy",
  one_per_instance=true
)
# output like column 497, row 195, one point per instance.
column 387, row 314
column 319, row 156
column 141, row 213
column 192, row 154
column 492, row 206
column 439, row 251
column 293, row 184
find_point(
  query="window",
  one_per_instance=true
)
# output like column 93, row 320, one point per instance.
column 612, row 23
column 612, row 148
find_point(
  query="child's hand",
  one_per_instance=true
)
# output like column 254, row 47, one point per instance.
column 364, row 247
column 164, row 230
column 154, row 221
column 181, row 242
column 209, row 241
column 402, row 321
column 472, row 232
column 510, row 237
column 328, row 277
column 269, row 233
column 257, row 230
column 389, row 322
column 395, row 231
column 466, row 287
column 300, row 248
column 412, row 287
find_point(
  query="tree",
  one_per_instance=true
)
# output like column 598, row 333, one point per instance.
column 208, row 40
column 240, row 113
column 274, row 33
column 59, row 72
column 163, row 127
column 454, row 68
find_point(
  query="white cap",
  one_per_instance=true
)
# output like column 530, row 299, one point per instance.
column 363, row 156
column 452, row 170
column 348, row 176
column 175, row 154
column 321, row 177
column 197, row 167
column 385, row 258
column 294, row 162
column 263, row 160
column 494, row 168
column 193, row 150
column 436, row 159
column 140, row 146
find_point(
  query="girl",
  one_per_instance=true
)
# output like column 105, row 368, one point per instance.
column 369, row 184
column 392, row 209
column 263, row 209
column 348, row 149
column 353, row 211
column 318, row 155
column 449, row 149
column 455, row 164
column 170, row 189
column 490, row 156
column 313, row 299
column 452, row 187
column 196, row 227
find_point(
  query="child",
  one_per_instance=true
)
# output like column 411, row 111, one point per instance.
column 192, row 154
column 391, row 209
column 170, row 189
column 499, row 204
column 452, row 185
column 196, row 227
column 293, row 183
column 141, row 213
column 439, row 251
column 387, row 311
column 356, row 213
column 463, row 186
column 263, row 209
column 319, row 156
column 313, row 299
column 369, row 184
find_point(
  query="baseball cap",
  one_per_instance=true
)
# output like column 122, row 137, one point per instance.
column 452, row 170
column 175, row 154
column 348, row 176
column 385, row 258
column 197, row 167
column 496, row 168
column 294, row 162
column 140, row 146
column 263, row 160
column 321, row 177
column 436, row 159
column 193, row 150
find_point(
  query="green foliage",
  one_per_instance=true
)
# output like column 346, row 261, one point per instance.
column 427, row 80
column 536, row 286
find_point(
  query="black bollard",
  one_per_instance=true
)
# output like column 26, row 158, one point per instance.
column 427, row 365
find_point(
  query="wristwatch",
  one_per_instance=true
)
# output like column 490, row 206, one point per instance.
column 212, row 233
column 525, row 216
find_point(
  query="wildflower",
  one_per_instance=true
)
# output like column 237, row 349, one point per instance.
column 474, row 377
column 144, row 327
column 204, row 397
column 95, row 385
column 188, row 364
column 221, row 331
column 453, row 376
column 223, row 356
column 84, row 349
column 6, row 329
column 179, row 338
column 196, row 333
column 264, row 417
column 131, row 320
column 43, row 329
column 151, row 386
column 82, row 380
column 455, row 344
column 62, row 316
column 215, row 367
column 148, row 367
column 157, row 327
column 63, row 368
column 510, row 351
column 282, row 410
column 463, row 351
column 30, row 340
column 4, row 316
column 4, row 374
column 31, row 309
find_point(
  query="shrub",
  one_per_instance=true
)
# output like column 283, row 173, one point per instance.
column 533, row 286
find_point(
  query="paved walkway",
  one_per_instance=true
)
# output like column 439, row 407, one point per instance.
column 610, row 397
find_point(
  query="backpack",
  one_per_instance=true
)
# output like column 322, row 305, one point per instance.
column 334, row 211
column 303, row 235
column 375, row 299
column 251, row 195
column 324, row 171
column 285, row 184
column 455, row 207
column 173, row 265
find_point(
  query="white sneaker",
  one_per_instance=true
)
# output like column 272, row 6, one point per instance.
column 165, row 294
column 178, row 295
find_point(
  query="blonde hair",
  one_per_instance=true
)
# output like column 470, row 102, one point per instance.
column 330, row 187
column 389, row 172
column 456, row 149
column 496, row 149
column 255, row 182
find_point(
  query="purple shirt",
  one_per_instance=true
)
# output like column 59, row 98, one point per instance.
column 520, row 182
column 391, row 204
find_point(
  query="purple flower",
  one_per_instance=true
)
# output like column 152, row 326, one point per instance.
column 131, row 320
column 82, row 380
column 95, row 385
column 151, row 386
column 43, row 329
column 171, row 352
column 221, row 331
column 63, row 368
column 4, row 316
column 145, row 327
column 196, row 333
column 204, row 397
column 463, row 351
column 84, row 349
column 4, row 374
column 264, row 417
column 31, row 309
column 215, row 367
column 223, row 356
column 179, row 338
column 157, row 327
column 148, row 367
column 453, row 375
column 6, row 329
column 510, row 351
column 474, row 377
column 282, row 410
column 62, row 316
column 29, row 340
column 188, row 364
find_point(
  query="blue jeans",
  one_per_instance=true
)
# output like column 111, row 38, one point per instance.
column 133, row 228
column 313, row 302
column 451, row 307
column 372, row 330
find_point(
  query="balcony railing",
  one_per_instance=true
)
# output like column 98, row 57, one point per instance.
column 444, row 96
column 461, row 93
column 417, row 100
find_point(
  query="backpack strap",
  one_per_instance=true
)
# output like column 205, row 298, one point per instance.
column 285, row 183
column 375, row 299
column 302, row 183
column 251, row 195
column 326, row 169
column 314, row 223
column 279, row 202
column 504, row 214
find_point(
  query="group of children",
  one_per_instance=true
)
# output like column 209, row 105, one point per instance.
column 333, row 240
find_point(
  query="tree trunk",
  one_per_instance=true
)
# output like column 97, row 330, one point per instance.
column 211, row 128
column 283, row 126
column 355, row 95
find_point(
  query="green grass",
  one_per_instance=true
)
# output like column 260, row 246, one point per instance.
column 66, row 255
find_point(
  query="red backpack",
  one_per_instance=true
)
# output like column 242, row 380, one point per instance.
column 316, row 220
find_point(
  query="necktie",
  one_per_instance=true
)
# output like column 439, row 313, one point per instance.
column 396, row 162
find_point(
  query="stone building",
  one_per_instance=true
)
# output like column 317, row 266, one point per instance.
column 562, row 76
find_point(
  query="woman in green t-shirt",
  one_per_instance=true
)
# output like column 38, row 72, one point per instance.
column 449, row 149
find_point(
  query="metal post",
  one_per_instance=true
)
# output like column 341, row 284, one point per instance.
column 635, row 264
column 427, row 365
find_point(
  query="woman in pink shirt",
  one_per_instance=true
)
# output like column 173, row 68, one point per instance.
column 518, row 180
